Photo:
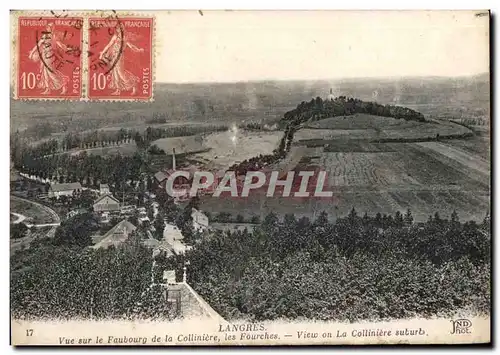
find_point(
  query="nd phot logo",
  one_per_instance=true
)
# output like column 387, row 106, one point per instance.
column 461, row 326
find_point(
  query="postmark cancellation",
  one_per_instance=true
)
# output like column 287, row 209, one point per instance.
column 101, row 55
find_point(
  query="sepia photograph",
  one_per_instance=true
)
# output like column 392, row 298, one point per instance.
column 230, row 177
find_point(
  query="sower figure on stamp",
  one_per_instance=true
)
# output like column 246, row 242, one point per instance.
column 49, row 44
column 121, row 79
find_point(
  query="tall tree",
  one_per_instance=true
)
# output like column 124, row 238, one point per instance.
column 408, row 218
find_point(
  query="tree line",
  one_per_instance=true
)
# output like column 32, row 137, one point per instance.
column 100, row 138
column 343, row 106
column 50, row 281
column 358, row 267
column 89, row 170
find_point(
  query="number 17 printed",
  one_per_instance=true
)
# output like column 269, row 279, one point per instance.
column 120, row 58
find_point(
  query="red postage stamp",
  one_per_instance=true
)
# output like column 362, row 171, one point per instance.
column 49, row 58
column 120, row 58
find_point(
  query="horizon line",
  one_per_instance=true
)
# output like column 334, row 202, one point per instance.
column 357, row 78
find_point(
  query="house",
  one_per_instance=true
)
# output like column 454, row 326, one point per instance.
column 128, row 210
column 160, row 178
column 169, row 277
column 75, row 212
column 58, row 190
column 158, row 247
column 107, row 203
column 173, row 237
column 181, row 185
column 200, row 220
column 116, row 235
column 172, row 233
column 104, row 189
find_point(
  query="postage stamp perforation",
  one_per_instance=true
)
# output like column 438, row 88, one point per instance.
column 154, row 54
column 84, row 52
column 121, row 57
column 47, row 50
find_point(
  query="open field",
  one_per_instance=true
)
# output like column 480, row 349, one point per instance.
column 362, row 126
column 220, row 150
column 353, row 146
column 357, row 121
column 232, row 146
column 385, row 178
column 182, row 145
column 364, row 169
column 405, row 164
column 126, row 149
column 468, row 204
column 462, row 157
column 34, row 212
column 426, row 130
column 478, row 145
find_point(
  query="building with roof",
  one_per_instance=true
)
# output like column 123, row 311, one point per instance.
column 158, row 247
column 173, row 237
column 104, row 189
column 188, row 303
column 200, row 220
column 67, row 189
column 181, row 183
column 160, row 177
column 107, row 203
column 116, row 235
column 75, row 212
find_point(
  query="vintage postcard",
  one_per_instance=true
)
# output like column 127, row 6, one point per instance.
column 250, row 177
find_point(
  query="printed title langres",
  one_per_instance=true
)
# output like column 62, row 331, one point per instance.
column 253, row 180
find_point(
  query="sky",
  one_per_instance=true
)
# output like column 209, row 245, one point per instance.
column 285, row 45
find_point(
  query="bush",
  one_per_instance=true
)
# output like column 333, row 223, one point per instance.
column 18, row 230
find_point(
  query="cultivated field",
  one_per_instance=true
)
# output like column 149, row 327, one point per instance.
column 364, row 169
column 371, row 176
column 460, row 156
column 363, row 126
column 357, row 121
column 478, row 145
column 382, row 177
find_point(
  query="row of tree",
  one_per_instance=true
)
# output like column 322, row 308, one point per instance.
column 100, row 138
column 90, row 170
